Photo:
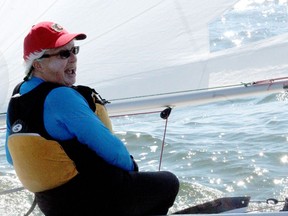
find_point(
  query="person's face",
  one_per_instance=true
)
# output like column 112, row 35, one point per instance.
column 57, row 69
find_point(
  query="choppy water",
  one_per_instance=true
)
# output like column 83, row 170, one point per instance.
column 230, row 148
column 248, row 21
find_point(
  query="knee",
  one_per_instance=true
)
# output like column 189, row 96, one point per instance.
column 172, row 182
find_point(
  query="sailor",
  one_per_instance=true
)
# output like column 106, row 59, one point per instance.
column 61, row 143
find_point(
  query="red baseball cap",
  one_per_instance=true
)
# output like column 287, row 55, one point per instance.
column 47, row 35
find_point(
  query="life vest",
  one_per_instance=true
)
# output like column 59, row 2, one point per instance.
column 96, row 103
column 40, row 162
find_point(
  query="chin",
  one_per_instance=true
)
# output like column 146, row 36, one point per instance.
column 70, row 82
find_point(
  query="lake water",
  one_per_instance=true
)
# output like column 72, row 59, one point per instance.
column 230, row 148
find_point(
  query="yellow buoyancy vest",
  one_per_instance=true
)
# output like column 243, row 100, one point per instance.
column 42, row 164
column 101, row 112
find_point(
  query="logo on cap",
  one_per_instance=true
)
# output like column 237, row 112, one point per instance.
column 56, row 27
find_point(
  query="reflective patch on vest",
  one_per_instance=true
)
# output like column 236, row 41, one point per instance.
column 17, row 128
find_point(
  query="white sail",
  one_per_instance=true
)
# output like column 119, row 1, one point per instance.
column 136, row 48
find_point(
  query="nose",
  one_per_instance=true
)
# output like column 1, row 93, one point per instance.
column 72, row 58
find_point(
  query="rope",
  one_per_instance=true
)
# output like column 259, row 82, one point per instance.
column 272, row 201
column 11, row 190
column 162, row 148
column 34, row 203
column 268, row 201
column 164, row 115
column 260, row 82
column 133, row 114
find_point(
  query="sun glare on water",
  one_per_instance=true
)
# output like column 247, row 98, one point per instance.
column 244, row 4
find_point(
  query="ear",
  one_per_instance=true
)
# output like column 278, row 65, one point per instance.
column 37, row 65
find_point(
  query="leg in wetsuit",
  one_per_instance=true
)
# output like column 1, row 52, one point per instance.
column 142, row 193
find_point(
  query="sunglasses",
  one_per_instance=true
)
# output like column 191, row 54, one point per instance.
column 64, row 54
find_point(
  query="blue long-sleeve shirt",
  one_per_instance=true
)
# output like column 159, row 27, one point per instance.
column 67, row 115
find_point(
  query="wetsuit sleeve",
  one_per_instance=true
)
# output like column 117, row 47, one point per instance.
column 67, row 115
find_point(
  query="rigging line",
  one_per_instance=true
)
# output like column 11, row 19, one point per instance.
column 268, row 201
column 11, row 190
column 178, row 92
column 164, row 115
column 247, row 84
column 125, row 22
column 112, row 116
column 134, row 114
column 271, row 201
column 34, row 203
column 268, row 81
column 163, row 143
